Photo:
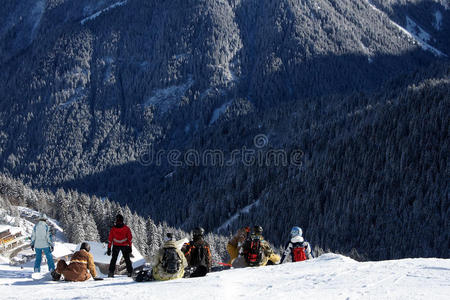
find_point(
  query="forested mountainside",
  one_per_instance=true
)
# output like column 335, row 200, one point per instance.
column 90, row 89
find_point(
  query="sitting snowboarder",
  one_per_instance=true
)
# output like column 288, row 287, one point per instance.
column 82, row 261
column 255, row 251
column 169, row 263
column 236, row 242
column 198, row 254
column 297, row 248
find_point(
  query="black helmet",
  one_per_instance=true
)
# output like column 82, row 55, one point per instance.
column 119, row 219
column 198, row 231
column 85, row 246
column 257, row 230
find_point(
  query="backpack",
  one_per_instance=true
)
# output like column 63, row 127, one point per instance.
column 253, row 251
column 198, row 254
column 171, row 262
column 298, row 252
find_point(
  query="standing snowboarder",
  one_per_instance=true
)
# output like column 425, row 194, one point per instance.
column 120, row 239
column 42, row 241
column 297, row 248
column 198, row 254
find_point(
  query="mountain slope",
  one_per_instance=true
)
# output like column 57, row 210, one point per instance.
column 327, row 277
column 82, row 95
column 90, row 88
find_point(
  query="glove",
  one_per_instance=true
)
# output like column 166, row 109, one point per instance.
column 108, row 252
column 32, row 247
column 130, row 250
column 52, row 248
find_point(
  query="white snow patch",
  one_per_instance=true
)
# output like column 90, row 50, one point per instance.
column 37, row 13
column 95, row 15
column 437, row 20
column 420, row 36
column 165, row 98
column 414, row 32
column 230, row 221
column 219, row 111
column 109, row 77
column 329, row 276
column 169, row 175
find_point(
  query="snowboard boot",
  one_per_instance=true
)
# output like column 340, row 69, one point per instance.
column 55, row 276
column 110, row 275
column 129, row 274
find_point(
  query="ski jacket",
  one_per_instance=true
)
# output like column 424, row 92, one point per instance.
column 158, row 271
column 198, row 253
column 268, row 255
column 120, row 235
column 77, row 270
column 290, row 245
column 41, row 237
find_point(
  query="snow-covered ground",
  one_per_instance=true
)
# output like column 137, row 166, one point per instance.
column 330, row 276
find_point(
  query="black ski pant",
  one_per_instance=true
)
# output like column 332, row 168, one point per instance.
column 126, row 251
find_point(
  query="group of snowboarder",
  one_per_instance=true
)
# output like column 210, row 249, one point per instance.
column 247, row 248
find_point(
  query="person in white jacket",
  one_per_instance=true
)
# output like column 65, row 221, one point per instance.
column 297, row 248
column 42, row 241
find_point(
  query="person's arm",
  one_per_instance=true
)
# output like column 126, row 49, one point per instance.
column 183, row 259
column 110, row 237
column 156, row 259
column 308, row 251
column 50, row 237
column 286, row 252
column 268, row 252
column 209, row 257
column 129, row 236
column 33, row 237
column 91, row 265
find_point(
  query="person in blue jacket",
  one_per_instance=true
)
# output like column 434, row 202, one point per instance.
column 42, row 241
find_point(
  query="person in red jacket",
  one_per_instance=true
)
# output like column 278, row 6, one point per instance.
column 120, row 239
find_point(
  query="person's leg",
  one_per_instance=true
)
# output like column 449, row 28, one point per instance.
column 61, row 266
column 126, row 256
column 199, row 271
column 50, row 262
column 112, row 263
column 37, row 262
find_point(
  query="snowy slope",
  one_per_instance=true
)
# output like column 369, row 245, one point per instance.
column 330, row 276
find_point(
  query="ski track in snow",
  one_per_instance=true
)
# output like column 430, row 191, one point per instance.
column 330, row 276
column 233, row 218
column 95, row 15
column 419, row 35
